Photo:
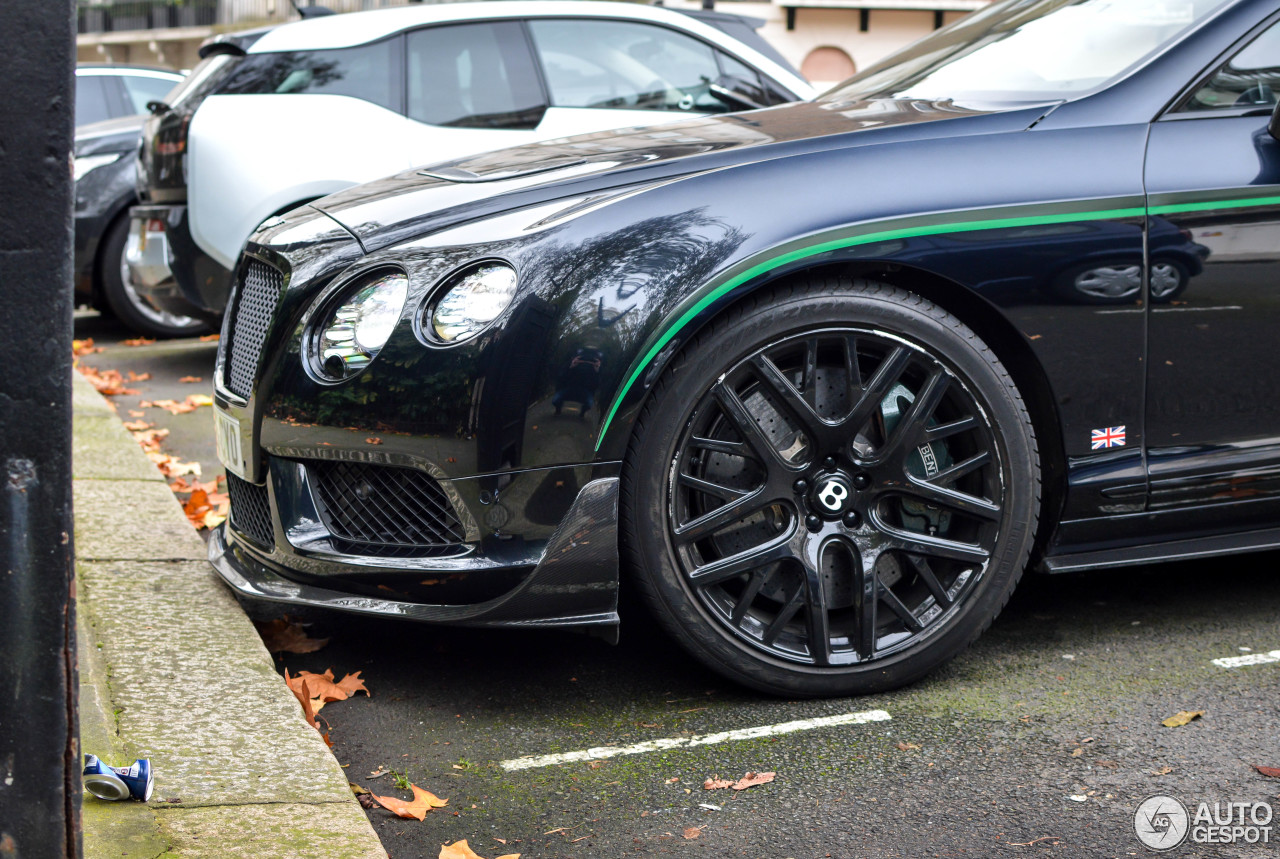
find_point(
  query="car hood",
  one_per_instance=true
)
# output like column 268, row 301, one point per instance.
column 416, row 202
column 109, row 135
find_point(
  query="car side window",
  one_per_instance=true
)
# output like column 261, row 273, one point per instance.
column 625, row 65
column 365, row 72
column 473, row 76
column 91, row 100
column 751, row 83
column 1249, row 79
column 141, row 90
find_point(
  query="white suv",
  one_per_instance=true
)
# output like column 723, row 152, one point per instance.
column 359, row 96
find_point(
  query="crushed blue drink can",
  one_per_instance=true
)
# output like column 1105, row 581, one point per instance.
column 112, row 783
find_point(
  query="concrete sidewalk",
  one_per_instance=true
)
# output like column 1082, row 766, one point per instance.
column 171, row 669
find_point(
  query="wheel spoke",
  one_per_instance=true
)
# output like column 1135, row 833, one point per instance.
column 745, row 561
column 747, row 427
column 960, row 469
column 941, row 431
column 717, row 445
column 786, row 395
column 818, row 618
column 749, row 594
column 794, row 601
column 809, row 379
column 910, row 424
column 930, row 579
column 724, row 493
column 930, row 492
column 725, row 514
column 937, row 547
column 876, row 389
column 896, row 606
column 853, row 372
column 864, row 604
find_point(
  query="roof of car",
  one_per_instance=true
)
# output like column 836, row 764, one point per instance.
column 358, row 28
column 124, row 69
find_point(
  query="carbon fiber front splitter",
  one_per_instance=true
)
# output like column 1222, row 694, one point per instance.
column 575, row 584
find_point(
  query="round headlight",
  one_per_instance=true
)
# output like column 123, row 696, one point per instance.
column 471, row 299
column 358, row 327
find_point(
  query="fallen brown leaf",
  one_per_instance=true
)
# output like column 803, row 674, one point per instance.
column 84, row 347
column 1077, row 751
column 139, row 341
column 109, row 383
column 1269, row 772
column 1182, row 717
column 691, row 832
column 210, row 338
column 423, row 801
column 1165, row 770
column 190, row 379
column 753, row 779
column 284, row 636
column 907, row 747
column 356, row 789
column 373, row 440
column 304, row 698
column 749, row 780
column 138, row 426
column 149, row 438
column 174, row 407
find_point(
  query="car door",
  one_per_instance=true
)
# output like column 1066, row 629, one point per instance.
column 1213, row 379
column 470, row 88
column 603, row 73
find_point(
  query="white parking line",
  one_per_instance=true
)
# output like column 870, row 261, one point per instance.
column 600, row 752
column 1247, row 659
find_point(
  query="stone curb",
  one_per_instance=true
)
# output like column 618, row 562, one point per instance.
column 172, row 669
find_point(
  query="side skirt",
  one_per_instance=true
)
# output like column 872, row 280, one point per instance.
column 1174, row 550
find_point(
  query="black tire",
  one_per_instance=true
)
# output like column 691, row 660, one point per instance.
column 123, row 300
column 721, row 426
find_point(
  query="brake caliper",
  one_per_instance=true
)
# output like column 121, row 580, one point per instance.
column 924, row 462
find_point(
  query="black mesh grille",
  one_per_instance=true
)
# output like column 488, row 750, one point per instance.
column 251, row 510
column 380, row 510
column 255, row 306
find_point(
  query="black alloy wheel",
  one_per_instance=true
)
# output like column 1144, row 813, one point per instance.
column 832, row 490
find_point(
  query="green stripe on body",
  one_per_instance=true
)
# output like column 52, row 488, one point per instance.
column 772, row 263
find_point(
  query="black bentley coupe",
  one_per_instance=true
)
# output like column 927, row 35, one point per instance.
column 820, row 380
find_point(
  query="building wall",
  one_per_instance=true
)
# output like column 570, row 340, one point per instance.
column 888, row 30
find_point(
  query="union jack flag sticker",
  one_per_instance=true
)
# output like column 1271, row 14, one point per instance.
column 1109, row 437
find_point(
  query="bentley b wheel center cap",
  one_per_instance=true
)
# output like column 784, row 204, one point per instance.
column 832, row 495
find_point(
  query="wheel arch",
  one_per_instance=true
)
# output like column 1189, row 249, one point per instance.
column 986, row 320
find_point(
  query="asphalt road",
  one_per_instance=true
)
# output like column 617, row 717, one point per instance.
column 1042, row 739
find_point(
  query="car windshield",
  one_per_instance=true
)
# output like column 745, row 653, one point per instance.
column 1029, row 50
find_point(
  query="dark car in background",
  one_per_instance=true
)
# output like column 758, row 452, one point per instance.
column 111, row 105
column 105, row 188
column 818, row 379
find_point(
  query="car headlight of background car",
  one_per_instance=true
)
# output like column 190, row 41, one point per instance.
column 470, row 300
column 358, row 323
